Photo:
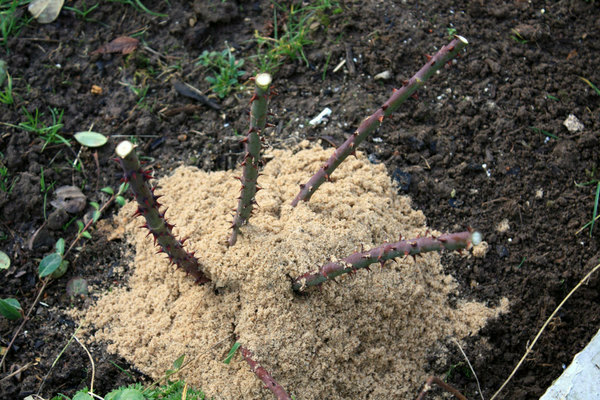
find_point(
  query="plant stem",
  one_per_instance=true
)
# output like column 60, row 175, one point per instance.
column 373, row 122
column 148, row 206
column 264, row 376
column 388, row 251
column 251, row 163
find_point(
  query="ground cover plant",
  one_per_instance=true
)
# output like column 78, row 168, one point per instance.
column 486, row 146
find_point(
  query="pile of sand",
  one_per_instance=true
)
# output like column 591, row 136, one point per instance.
column 365, row 337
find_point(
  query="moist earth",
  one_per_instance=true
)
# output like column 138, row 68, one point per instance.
column 482, row 145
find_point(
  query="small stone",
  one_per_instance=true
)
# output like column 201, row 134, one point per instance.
column 385, row 75
column 182, row 137
column 573, row 124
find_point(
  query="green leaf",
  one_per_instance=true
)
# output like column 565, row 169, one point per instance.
column 10, row 308
column 125, row 394
column 120, row 200
column 80, row 225
column 49, row 264
column 60, row 246
column 4, row 260
column 82, row 396
column 86, row 235
column 179, row 362
column 96, row 216
column 108, row 190
column 77, row 287
column 91, row 139
column 235, row 347
column 124, row 187
column 95, row 205
column 61, row 270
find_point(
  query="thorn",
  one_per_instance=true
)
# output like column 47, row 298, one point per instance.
column 405, row 82
column 253, row 98
column 302, row 185
column 380, row 119
column 137, row 213
column 415, row 96
column 382, row 263
column 244, row 140
column 428, row 57
column 258, row 188
column 384, row 107
column 451, row 48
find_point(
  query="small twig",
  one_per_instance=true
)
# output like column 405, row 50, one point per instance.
column 528, row 350
column 91, row 360
column 447, row 387
column 56, row 360
column 25, row 319
column 23, row 368
column 470, row 367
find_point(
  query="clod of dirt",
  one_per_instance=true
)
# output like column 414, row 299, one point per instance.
column 367, row 336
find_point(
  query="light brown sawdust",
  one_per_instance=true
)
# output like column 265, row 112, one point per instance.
column 365, row 337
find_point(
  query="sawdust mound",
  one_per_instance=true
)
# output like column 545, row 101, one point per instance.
column 365, row 337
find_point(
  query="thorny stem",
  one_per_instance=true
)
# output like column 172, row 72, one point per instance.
column 252, row 146
column 373, row 122
column 264, row 376
column 388, row 251
column 148, row 206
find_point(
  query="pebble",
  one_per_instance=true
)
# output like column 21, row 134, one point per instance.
column 573, row 124
column 385, row 75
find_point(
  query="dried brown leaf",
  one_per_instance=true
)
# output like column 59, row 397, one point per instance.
column 122, row 44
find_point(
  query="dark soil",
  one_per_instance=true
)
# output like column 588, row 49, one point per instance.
column 502, row 105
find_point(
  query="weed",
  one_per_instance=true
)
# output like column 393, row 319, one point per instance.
column 11, row 19
column 139, row 6
column 590, row 84
column 543, row 132
column 84, row 11
column 226, row 69
column 5, row 182
column 595, row 181
column 49, row 134
column 451, row 32
column 272, row 51
column 6, row 96
column 517, row 37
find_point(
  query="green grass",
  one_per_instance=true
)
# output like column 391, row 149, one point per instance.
column 595, row 181
column 226, row 70
column 590, row 84
column 6, row 184
column 84, row 11
column 139, row 6
column 6, row 95
column 48, row 133
column 13, row 18
column 289, row 42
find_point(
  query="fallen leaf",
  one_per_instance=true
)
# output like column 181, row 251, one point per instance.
column 45, row 11
column 122, row 44
column 91, row 139
column 69, row 198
